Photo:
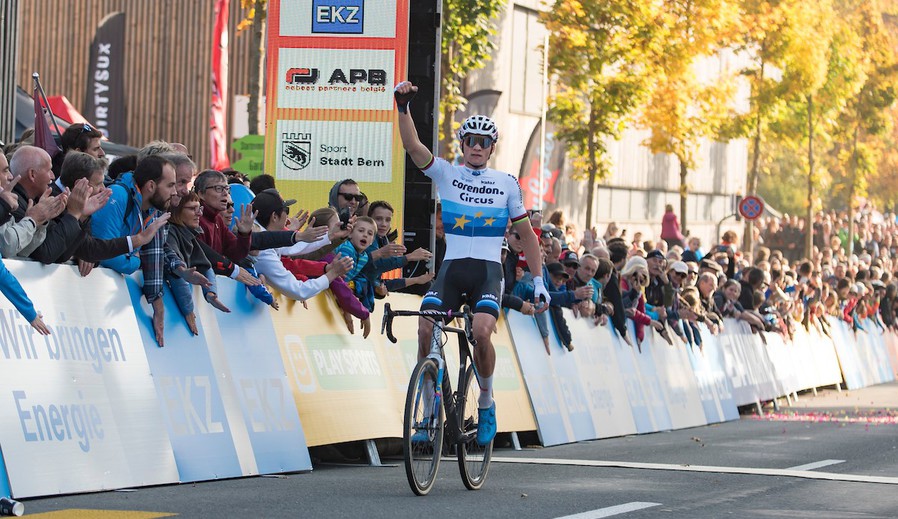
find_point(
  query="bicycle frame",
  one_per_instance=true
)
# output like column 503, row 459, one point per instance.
column 451, row 402
column 454, row 401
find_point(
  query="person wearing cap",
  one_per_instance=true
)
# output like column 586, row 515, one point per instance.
column 676, row 275
column 634, row 279
column 617, row 254
column 571, row 262
column 557, row 278
column 654, row 292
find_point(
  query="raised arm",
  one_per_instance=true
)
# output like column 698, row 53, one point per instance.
column 419, row 153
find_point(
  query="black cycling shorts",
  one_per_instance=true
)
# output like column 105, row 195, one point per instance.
column 475, row 282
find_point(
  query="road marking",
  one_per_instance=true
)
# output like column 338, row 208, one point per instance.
column 806, row 474
column 816, row 465
column 100, row 514
column 611, row 510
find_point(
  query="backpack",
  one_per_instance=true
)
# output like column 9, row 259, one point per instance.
column 129, row 207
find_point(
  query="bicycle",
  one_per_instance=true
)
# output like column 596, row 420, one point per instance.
column 424, row 422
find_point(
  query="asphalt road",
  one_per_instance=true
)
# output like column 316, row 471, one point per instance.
column 834, row 455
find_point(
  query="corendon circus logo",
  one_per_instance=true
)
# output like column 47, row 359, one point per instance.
column 339, row 80
column 296, row 150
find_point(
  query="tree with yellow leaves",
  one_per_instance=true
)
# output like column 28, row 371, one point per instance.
column 599, row 54
column 684, row 108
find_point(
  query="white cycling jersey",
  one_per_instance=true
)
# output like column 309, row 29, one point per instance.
column 477, row 205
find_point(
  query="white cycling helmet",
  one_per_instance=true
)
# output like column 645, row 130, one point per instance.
column 478, row 125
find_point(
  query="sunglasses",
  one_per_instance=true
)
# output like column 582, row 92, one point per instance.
column 86, row 128
column 483, row 141
column 515, row 235
column 230, row 205
column 350, row 197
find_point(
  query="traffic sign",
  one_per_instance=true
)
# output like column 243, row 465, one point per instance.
column 751, row 207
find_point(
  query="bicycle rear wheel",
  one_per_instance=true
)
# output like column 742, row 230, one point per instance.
column 422, row 436
column 473, row 458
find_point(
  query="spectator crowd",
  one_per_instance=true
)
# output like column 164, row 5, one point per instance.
column 676, row 282
column 156, row 213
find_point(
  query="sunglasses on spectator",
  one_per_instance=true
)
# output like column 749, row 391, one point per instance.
column 230, row 205
column 220, row 188
column 86, row 128
column 515, row 235
column 349, row 197
column 483, row 141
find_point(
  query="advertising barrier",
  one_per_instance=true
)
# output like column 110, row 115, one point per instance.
column 82, row 400
column 863, row 353
column 348, row 388
column 99, row 398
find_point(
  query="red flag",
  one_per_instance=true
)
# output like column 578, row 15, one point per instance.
column 43, row 138
column 219, row 108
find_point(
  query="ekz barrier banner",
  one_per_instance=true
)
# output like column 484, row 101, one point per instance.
column 79, row 407
column 348, row 388
column 224, row 393
column 332, row 66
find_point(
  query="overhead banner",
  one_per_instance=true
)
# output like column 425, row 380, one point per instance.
column 332, row 66
column 104, row 99
column 79, row 407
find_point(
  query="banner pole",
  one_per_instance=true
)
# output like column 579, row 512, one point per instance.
column 40, row 88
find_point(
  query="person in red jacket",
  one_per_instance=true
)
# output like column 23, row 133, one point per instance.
column 670, row 228
column 212, row 186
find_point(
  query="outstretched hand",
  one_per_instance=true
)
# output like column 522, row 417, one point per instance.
column 145, row 236
column 193, row 277
column 247, row 217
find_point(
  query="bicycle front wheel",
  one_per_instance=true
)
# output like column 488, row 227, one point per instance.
column 422, row 428
column 473, row 458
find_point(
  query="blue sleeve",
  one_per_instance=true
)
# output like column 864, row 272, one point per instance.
column 387, row 264
column 13, row 291
column 108, row 223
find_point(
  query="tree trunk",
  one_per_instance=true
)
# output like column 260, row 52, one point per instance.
column 256, row 71
column 684, row 192
column 851, row 192
column 752, row 187
column 593, row 167
column 809, row 224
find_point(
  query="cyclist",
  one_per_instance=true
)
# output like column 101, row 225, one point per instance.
column 477, row 204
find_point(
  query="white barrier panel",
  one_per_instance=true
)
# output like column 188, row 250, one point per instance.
column 715, row 389
column 79, row 407
column 258, row 399
column 863, row 354
column 646, row 376
column 747, row 365
column 673, row 371
column 596, row 354
column 189, row 394
column 846, row 349
column 549, row 406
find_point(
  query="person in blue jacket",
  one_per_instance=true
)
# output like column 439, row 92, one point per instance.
column 13, row 291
